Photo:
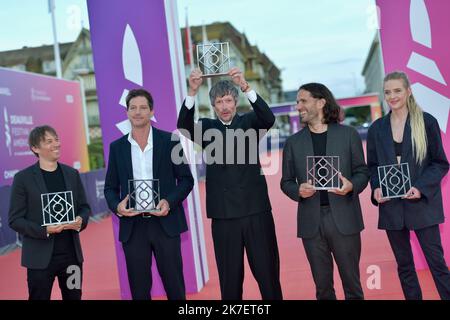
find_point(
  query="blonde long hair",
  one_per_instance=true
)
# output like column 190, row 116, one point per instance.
column 418, row 133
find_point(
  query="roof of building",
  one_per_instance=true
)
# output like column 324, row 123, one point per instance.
column 374, row 46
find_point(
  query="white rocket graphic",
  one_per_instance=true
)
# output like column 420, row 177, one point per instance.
column 132, row 70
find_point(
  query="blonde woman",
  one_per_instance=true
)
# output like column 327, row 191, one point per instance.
column 409, row 135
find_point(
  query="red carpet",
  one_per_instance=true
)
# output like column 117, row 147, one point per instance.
column 101, row 279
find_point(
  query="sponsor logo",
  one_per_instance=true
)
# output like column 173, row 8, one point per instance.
column 5, row 91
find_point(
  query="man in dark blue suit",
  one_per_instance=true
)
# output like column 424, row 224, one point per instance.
column 145, row 153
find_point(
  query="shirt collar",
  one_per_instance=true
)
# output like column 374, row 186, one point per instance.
column 149, row 139
column 226, row 123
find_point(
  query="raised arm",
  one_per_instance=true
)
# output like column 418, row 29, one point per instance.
column 262, row 117
column 186, row 124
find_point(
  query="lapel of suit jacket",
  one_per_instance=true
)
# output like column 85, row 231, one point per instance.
column 39, row 178
column 157, row 148
column 307, row 149
column 127, row 155
column 387, row 140
column 66, row 178
column 332, row 140
column 407, row 143
column 333, row 147
column 308, row 144
column 235, row 122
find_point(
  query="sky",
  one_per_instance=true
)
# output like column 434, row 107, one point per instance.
column 308, row 40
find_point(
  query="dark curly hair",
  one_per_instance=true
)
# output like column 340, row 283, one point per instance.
column 332, row 112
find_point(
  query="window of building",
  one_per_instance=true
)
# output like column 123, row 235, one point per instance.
column 20, row 67
column 48, row 66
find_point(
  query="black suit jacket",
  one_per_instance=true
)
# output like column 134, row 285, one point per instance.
column 235, row 186
column 397, row 214
column 342, row 141
column 25, row 214
column 175, row 181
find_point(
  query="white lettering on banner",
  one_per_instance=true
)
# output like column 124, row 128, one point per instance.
column 19, row 119
column 9, row 174
column 5, row 91
column 22, row 142
column 99, row 187
column 69, row 98
column 7, row 131
column 23, row 153
column 20, row 131
column 39, row 95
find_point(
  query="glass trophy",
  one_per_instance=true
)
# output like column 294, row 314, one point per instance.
column 323, row 171
column 213, row 59
column 57, row 208
column 143, row 195
column 394, row 179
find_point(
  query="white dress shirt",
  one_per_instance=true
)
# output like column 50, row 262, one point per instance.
column 142, row 163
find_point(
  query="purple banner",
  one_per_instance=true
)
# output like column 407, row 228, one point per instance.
column 28, row 100
column 94, row 184
column 137, row 44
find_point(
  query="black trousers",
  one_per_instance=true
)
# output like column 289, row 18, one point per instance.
column 346, row 250
column 255, row 234
column 40, row 281
column 430, row 242
column 149, row 238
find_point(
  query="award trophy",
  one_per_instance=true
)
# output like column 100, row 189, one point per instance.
column 57, row 208
column 143, row 195
column 323, row 171
column 213, row 59
column 394, row 179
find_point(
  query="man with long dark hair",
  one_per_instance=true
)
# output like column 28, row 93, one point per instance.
column 329, row 221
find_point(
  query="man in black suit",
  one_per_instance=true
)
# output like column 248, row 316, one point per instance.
column 51, row 251
column 145, row 153
column 236, row 191
column 329, row 223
